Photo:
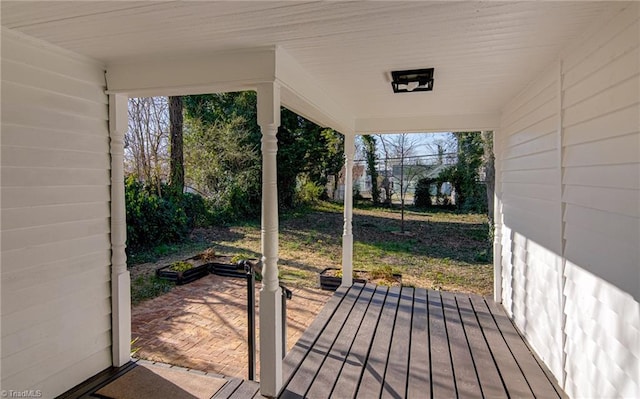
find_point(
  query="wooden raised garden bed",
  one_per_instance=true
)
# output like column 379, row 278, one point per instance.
column 331, row 278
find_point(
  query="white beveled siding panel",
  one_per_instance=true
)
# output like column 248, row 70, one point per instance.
column 601, row 177
column 55, row 218
column 583, row 223
column 603, row 337
column 507, row 270
column 531, row 239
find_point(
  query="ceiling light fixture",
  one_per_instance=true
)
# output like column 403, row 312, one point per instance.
column 412, row 80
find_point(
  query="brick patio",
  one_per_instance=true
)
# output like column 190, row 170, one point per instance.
column 203, row 325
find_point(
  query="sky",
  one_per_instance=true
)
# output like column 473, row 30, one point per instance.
column 427, row 143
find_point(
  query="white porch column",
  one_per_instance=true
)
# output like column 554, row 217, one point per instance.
column 270, row 294
column 347, row 234
column 497, row 220
column 120, row 279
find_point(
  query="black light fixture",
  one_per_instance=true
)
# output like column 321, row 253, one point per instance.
column 412, row 80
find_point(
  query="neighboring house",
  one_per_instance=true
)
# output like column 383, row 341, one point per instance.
column 412, row 174
column 558, row 83
column 445, row 188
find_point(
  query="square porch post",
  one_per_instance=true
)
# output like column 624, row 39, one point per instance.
column 270, row 295
column 120, row 279
column 347, row 234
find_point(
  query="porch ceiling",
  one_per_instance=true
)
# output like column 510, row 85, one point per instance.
column 483, row 53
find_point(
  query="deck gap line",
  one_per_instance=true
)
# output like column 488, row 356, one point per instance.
column 234, row 391
column 295, row 370
column 413, row 305
column 393, row 333
column 326, row 355
column 504, row 385
column 466, row 337
column 333, row 387
column 510, row 350
column 364, row 363
column 446, row 333
column 429, row 347
column 538, row 361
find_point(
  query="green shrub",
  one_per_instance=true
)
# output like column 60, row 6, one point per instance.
column 423, row 193
column 471, row 193
column 151, row 219
column 233, row 202
column 196, row 210
column 308, row 192
column 154, row 220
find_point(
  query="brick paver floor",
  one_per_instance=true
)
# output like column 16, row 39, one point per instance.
column 203, row 325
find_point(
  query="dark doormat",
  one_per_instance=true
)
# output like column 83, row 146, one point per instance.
column 156, row 382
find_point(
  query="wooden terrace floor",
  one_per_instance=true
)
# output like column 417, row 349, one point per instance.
column 375, row 342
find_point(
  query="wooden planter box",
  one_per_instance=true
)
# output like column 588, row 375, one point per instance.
column 199, row 270
column 331, row 283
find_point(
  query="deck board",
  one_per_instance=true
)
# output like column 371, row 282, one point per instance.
column 348, row 380
column 334, row 362
column 442, row 383
column 314, row 359
column 373, row 374
column 303, row 345
column 419, row 378
column 413, row 343
column 464, row 371
column 490, row 380
column 513, row 378
column 228, row 389
column 395, row 377
column 535, row 375
column 247, row 389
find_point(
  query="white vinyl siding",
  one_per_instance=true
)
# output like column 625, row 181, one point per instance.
column 531, row 209
column 571, row 205
column 56, row 307
column 601, row 177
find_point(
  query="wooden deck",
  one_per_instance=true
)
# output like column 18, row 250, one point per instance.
column 377, row 342
column 374, row 342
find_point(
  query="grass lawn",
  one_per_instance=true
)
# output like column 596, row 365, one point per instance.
column 443, row 250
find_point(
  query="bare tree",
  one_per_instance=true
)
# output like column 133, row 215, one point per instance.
column 401, row 147
column 176, row 167
column 386, row 181
column 147, row 138
column 445, row 148
column 404, row 146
